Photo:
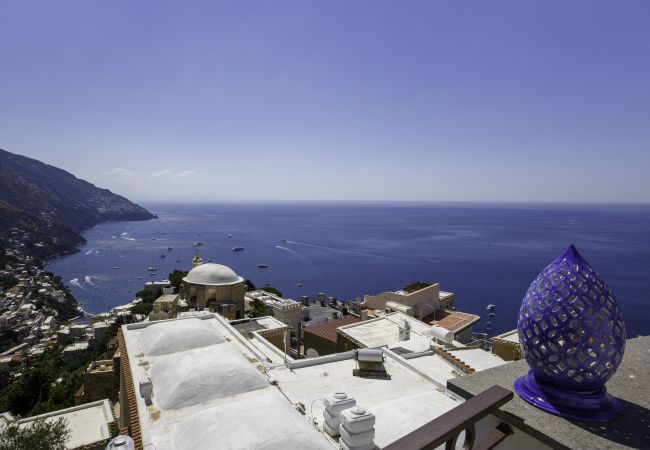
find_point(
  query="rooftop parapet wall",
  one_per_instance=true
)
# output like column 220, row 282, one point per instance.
column 423, row 301
column 629, row 384
column 129, row 419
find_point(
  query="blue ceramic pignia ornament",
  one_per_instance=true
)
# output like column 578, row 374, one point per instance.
column 572, row 335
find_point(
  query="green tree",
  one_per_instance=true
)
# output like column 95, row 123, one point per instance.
column 249, row 285
column 272, row 290
column 142, row 308
column 258, row 308
column 176, row 278
column 40, row 435
column 149, row 295
column 32, row 387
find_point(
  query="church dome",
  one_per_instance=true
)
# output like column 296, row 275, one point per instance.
column 211, row 273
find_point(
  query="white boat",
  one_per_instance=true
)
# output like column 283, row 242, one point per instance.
column 152, row 269
column 237, row 249
column 262, row 266
column 116, row 267
column 198, row 243
column 490, row 307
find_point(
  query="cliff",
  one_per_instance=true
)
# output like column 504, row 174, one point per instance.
column 49, row 207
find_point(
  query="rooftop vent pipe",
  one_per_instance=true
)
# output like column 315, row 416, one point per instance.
column 357, row 429
column 334, row 404
column 405, row 331
column 146, row 390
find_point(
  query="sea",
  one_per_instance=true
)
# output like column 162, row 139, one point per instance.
column 485, row 253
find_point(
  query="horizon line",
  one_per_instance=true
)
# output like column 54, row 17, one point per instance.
column 421, row 202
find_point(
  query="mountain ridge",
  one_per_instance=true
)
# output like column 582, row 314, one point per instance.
column 53, row 207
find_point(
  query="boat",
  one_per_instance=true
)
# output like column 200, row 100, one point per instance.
column 163, row 256
column 262, row 266
column 198, row 243
column 230, row 235
column 285, row 240
column 298, row 284
column 237, row 249
column 116, row 267
column 169, row 249
column 490, row 307
column 153, row 238
column 492, row 314
column 139, row 278
column 152, row 269
column 178, row 260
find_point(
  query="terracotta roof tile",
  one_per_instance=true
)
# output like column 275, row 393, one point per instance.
column 327, row 330
column 453, row 321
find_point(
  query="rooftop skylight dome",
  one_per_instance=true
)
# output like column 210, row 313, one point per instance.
column 572, row 335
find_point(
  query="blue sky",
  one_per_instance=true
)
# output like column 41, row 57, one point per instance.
column 333, row 100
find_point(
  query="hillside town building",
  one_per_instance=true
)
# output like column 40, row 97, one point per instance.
column 285, row 310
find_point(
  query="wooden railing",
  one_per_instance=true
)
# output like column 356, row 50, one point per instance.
column 446, row 429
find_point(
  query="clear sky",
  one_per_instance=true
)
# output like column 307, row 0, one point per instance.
column 333, row 100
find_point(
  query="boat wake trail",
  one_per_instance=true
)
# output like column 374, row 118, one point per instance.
column 75, row 282
column 346, row 251
column 288, row 249
column 88, row 279
column 89, row 251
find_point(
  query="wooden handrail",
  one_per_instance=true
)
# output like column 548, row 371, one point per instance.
column 447, row 427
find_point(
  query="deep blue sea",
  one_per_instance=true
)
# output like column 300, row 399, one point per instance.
column 484, row 253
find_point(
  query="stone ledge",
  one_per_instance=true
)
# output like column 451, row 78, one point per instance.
column 630, row 384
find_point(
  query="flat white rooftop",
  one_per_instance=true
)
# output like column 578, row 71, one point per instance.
column 213, row 388
column 401, row 404
column 384, row 331
column 510, row 336
column 271, row 299
column 166, row 298
column 209, row 390
column 435, row 367
column 88, row 423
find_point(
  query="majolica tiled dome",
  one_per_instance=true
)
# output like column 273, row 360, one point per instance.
column 572, row 335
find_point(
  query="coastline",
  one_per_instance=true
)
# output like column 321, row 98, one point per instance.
column 349, row 252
